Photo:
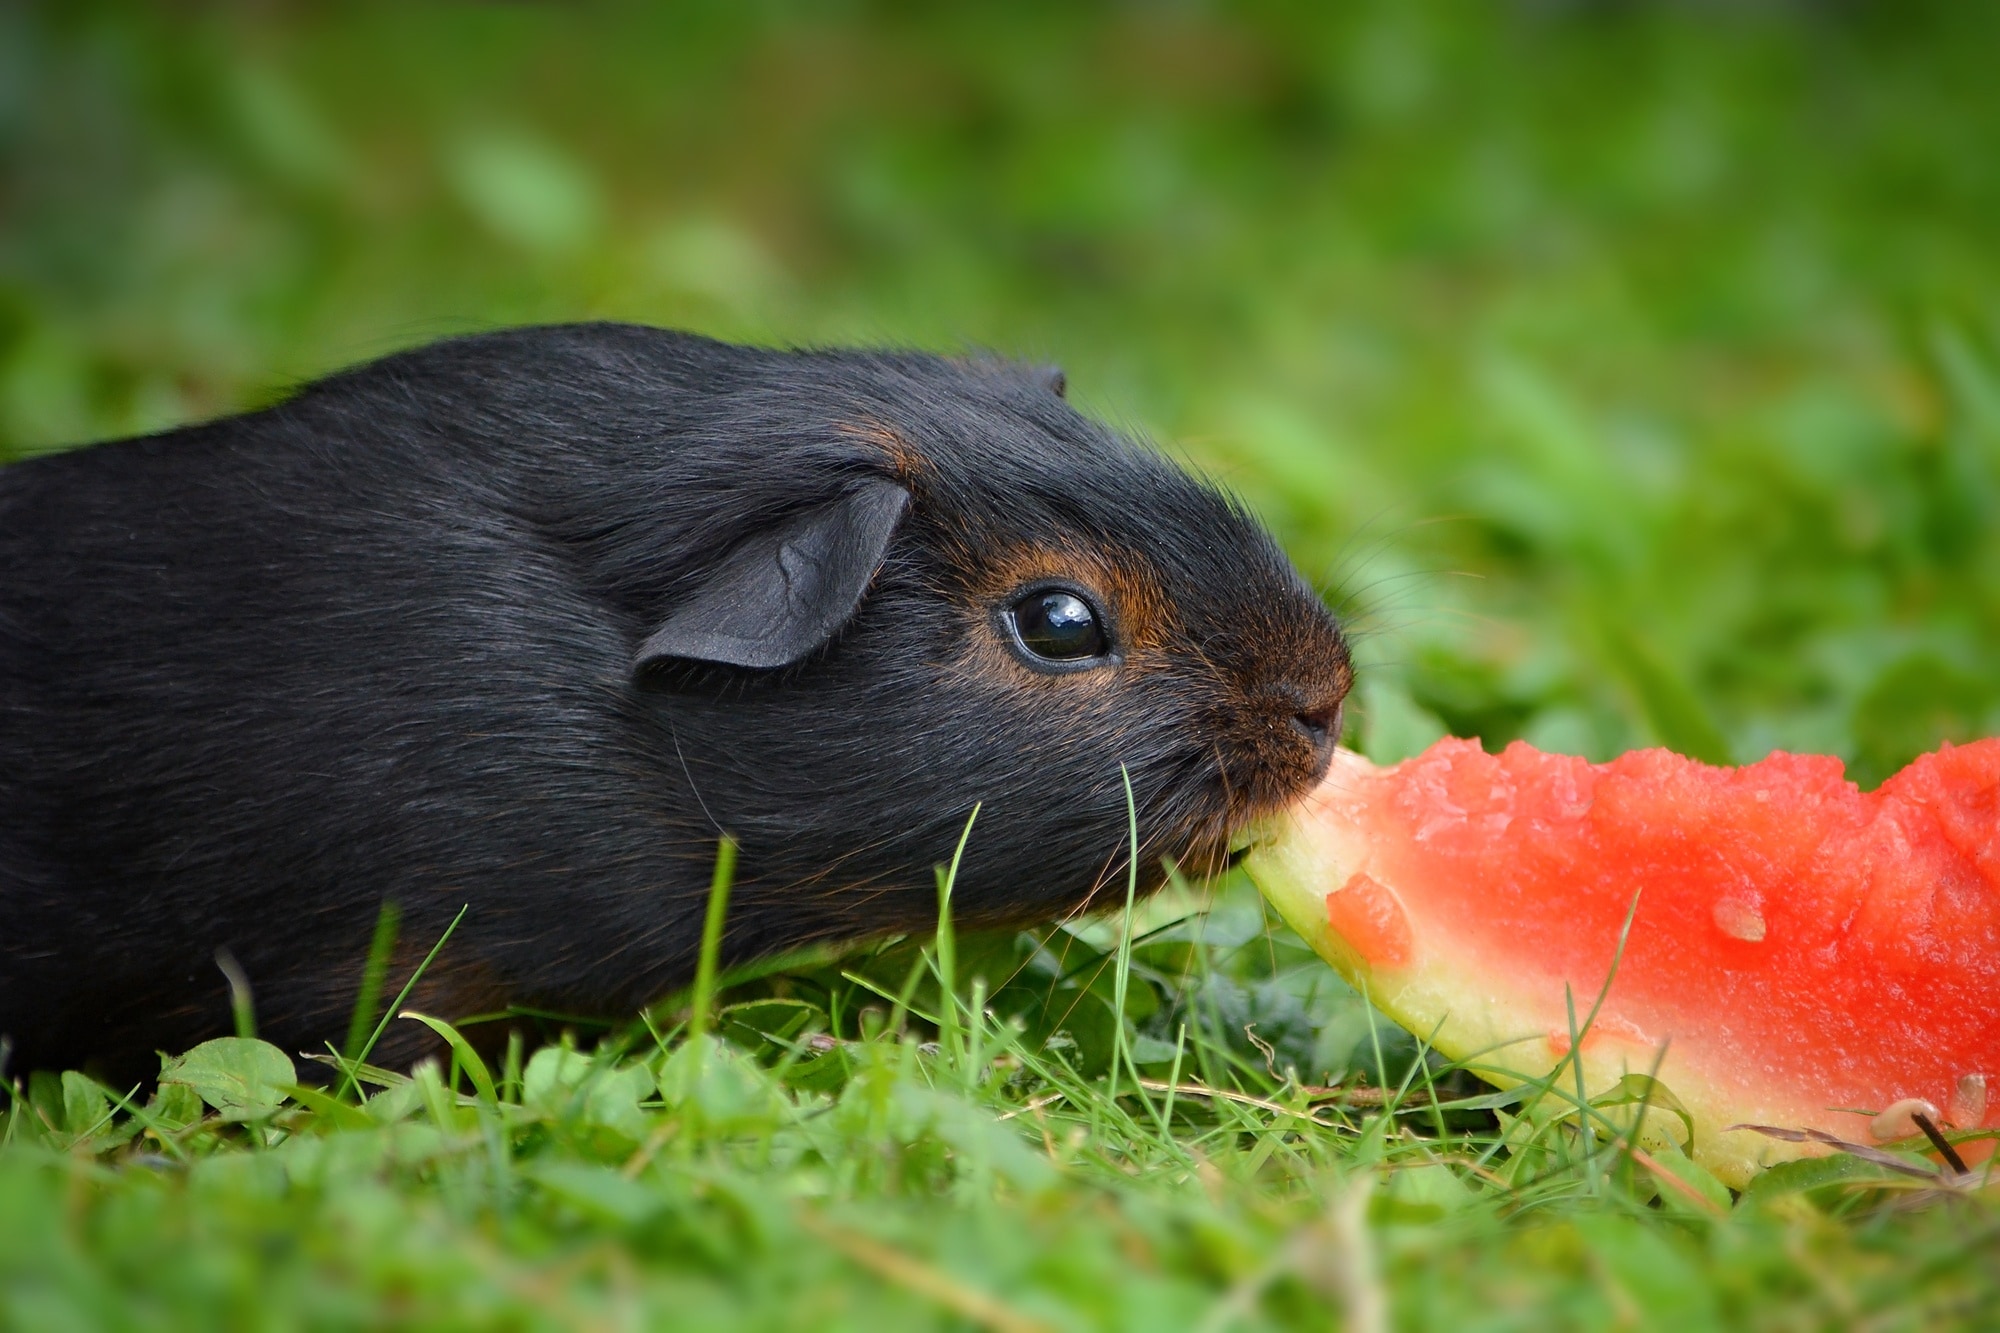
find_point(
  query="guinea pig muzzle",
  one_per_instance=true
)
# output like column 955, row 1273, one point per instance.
column 1281, row 751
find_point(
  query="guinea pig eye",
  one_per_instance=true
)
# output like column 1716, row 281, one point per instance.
column 1058, row 626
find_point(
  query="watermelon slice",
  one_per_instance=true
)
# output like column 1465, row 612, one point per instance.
column 1801, row 954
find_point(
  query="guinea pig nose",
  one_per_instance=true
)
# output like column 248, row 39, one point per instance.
column 1318, row 725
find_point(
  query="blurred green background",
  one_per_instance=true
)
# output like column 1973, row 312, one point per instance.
column 1628, row 373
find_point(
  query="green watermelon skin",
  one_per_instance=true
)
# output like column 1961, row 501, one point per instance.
column 1801, row 952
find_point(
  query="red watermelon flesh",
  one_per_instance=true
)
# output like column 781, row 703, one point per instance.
column 1802, row 951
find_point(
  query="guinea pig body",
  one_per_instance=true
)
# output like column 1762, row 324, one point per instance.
column 526, row 621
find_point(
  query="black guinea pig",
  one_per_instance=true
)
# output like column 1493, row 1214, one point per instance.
column 526, row 620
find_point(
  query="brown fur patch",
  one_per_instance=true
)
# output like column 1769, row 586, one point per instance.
column 905, row 460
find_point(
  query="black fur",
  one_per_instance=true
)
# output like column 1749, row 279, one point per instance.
column 385, row 641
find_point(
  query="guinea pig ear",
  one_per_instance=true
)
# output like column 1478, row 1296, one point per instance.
column 1052, row 379
column 783, row 592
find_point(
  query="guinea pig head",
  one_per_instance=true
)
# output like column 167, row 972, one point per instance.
column 982, row 598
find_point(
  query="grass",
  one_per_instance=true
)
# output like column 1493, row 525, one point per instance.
column 1629, row 374
column 816, row 1156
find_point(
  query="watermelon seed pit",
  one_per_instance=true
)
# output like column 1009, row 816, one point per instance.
column 1968, row 1102
column 1898, row 1120
column 1740, row 917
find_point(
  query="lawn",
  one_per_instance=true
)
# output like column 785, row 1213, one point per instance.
column 1627, row 374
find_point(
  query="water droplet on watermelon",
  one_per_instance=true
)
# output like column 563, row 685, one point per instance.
column 1968, row 1101
column 1898, row 1119
column 1740, row 915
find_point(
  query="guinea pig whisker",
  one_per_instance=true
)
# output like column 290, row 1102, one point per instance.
column 693, row 787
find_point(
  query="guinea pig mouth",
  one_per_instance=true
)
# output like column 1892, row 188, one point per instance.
column 1237, row 848
column 1214, row 822
column 1212, row 854
column 1217, row 842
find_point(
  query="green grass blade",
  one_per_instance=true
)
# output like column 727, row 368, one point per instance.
column 468, row 1059
column 349, row 1081
column 368, row 1000
column 946, row 946
column 241, row 1006
column 700, row 1014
